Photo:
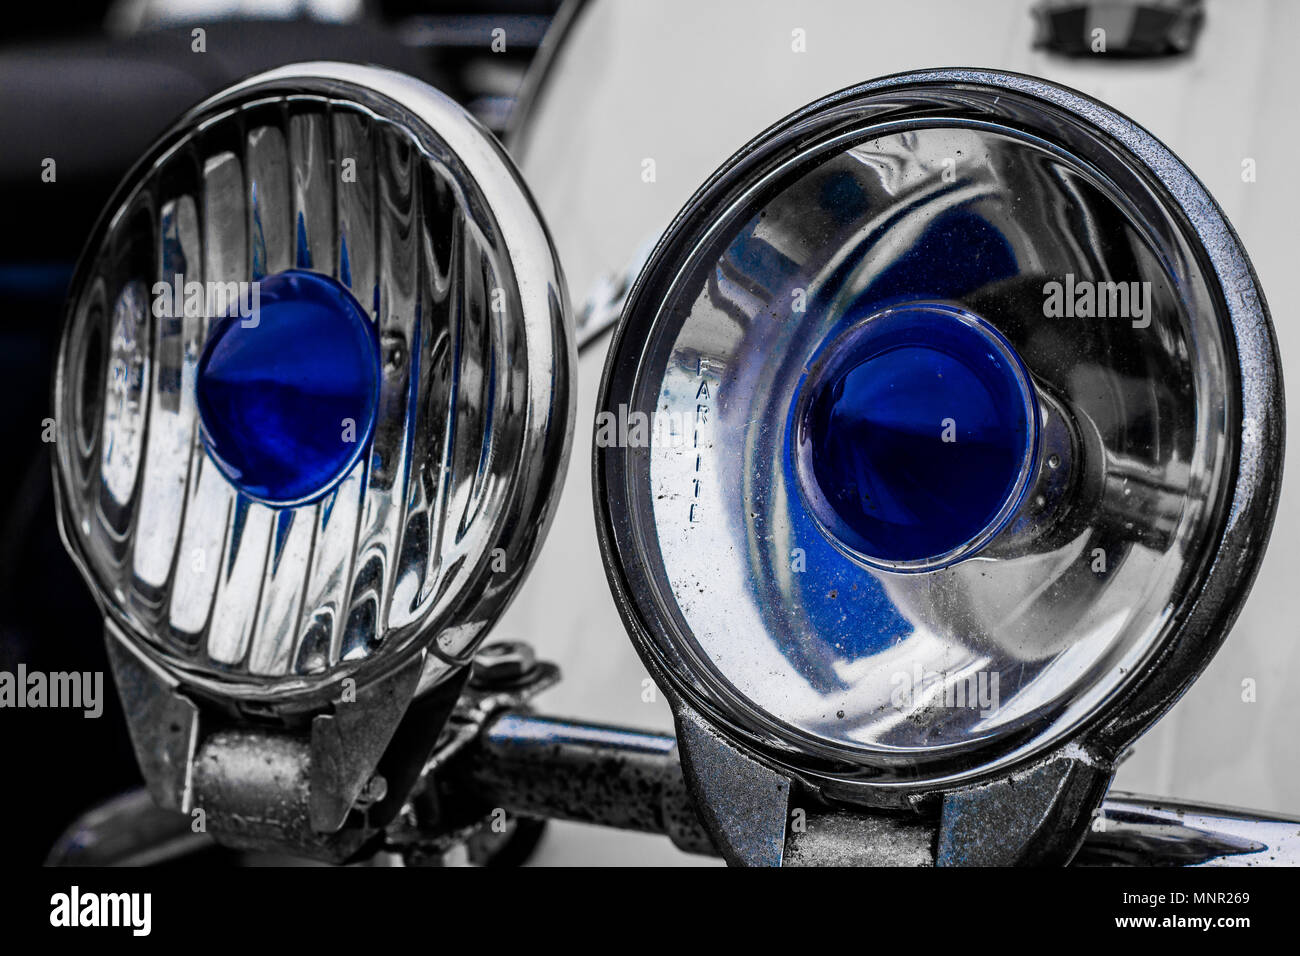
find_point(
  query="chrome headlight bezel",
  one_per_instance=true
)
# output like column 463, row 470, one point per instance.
column 531, row 362
column 1232, row 547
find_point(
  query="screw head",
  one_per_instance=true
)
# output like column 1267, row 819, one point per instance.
column 375, row 790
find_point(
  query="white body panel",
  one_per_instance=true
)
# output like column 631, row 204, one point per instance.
column 685, row 83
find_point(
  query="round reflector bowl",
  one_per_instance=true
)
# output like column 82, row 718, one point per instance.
column 947, row 458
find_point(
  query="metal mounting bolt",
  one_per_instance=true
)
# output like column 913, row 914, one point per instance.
column 376, row 789
column 503, row 662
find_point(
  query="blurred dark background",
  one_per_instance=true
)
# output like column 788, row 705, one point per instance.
column 90, row 85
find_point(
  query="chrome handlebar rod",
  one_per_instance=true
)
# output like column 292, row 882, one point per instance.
column 544, row 767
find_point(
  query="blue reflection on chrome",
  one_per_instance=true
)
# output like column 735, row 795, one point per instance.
column 287, row 399
column 959, row 253
column 520, row 730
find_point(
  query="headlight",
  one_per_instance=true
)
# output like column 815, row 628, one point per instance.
column 953, row 428
column 313, row 396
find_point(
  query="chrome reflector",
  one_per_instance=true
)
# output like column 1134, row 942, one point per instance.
column 390, row 190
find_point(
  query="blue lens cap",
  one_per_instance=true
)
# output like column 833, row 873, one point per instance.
column 915, row 436
column 288, row 394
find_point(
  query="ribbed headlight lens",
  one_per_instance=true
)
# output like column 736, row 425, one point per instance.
column 314, row 390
